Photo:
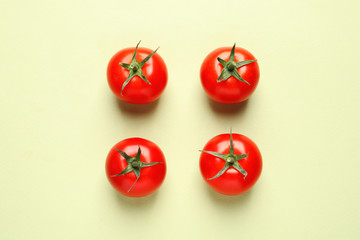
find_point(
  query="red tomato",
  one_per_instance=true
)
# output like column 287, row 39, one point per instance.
column 230, row 163
column 229, row 75
column 137, row 75
column 135, row 167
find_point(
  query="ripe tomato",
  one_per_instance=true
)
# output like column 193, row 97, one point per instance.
column 135, row 167
column 230, row 163
column 229, row 75
column 137, row 75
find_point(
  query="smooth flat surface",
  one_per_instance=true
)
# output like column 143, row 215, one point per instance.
column 59, row 119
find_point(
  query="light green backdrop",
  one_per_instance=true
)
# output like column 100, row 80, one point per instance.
column 59, row 119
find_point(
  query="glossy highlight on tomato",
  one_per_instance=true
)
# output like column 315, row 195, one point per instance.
column 229, row 74
column 230, row 163
column 137, row 75
column 135, row 167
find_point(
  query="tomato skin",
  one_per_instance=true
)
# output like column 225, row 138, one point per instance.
column 231, row 90
column 232, row 182
column 137, row 91
column 151, row 177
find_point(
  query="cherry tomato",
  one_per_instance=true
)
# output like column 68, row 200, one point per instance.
column 230, row 163
column 229, row 75
column 135, row 167
column 137, row 75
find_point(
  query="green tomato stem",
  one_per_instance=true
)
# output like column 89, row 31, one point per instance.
column 135, row 164
column 230, row 160
column 231, row 66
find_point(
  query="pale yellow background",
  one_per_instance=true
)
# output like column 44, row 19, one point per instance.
column 59, row 119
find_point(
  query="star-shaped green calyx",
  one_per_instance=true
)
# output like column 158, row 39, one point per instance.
column 231, row 160
column 230, row 67
column 135, row 68
column 134, row 165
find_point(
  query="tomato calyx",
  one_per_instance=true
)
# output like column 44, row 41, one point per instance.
column 134, row 165
column 230, row 67
column 135, row 68
column 231, row 160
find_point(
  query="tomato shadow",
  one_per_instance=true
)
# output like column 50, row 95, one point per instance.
column 226, row 201
column 138, row 203
column 137, row 108
column 227, row 109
